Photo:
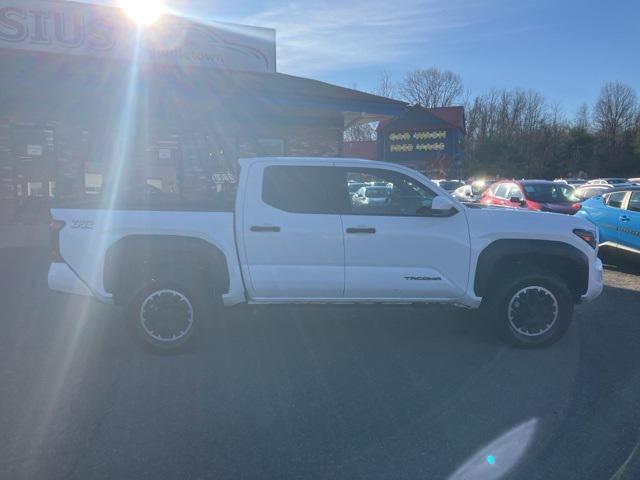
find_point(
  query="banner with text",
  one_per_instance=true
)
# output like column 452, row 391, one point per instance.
column 61, row 27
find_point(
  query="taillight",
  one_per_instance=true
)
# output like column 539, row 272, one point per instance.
column 54, row 238
column 533, row 205
column 575, row 207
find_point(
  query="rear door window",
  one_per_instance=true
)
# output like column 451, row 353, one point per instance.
column 614, row 200
column 305, row 189
column 634, row 202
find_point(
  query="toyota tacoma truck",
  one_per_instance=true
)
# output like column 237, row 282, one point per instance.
column 294, row 234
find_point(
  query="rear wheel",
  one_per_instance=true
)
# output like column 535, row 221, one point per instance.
column 165, row 316
column 530, row 310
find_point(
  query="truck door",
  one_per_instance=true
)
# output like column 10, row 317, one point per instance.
column 292, row 240
column 629, row 223
column 608, row 218
column 393, row 251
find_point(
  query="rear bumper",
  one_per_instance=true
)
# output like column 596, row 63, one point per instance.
column 595, row 281
column 62, row 279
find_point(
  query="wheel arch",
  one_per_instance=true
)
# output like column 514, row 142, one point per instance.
column 562, row 259
column 139, row 257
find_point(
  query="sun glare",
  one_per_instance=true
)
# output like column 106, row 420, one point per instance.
column 143, row 12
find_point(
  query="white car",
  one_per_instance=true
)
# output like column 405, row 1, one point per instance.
column 574, row 182
column 613, row 182
column 450, row 185
column 372, row 195
column 296, row 236
column 471, row 192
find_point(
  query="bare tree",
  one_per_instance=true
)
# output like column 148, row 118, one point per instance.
column 432, row 88
column 360, row 132
column 616, row 108
column 614, row 113
column 581, row 120
column 385, row 87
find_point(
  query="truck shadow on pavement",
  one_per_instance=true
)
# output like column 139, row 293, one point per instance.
column 362, row 391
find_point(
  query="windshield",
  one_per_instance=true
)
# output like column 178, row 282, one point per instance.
column 549, row 193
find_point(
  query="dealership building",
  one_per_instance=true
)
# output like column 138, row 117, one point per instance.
column 89, row 101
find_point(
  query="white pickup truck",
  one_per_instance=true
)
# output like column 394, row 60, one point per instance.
column 299, row 233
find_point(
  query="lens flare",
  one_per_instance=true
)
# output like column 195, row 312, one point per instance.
column 143, row 12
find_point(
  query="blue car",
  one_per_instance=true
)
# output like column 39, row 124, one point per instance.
column 617, row 216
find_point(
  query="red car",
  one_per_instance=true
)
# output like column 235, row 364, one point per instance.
column 540, row 195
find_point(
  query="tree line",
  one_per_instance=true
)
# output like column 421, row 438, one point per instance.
column 520, row 133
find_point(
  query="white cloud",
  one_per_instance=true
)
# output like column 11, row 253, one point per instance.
column 333, row 35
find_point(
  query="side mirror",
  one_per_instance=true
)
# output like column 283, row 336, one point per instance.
column 440, row 207
column 517, row 200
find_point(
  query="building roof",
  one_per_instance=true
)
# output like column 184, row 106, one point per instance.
column 417, row 117
column 74, row 79
column 286, row 89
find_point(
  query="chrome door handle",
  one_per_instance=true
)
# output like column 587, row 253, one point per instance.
column 265, row 228
column 361, row 230
column 624, row 218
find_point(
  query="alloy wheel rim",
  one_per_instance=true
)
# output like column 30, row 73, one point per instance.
column 166, row 315
column 533, row 311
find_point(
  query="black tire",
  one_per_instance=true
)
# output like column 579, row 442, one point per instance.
column 530, row 310
column 165, row 316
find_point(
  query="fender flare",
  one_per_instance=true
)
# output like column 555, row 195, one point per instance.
column 564, row 259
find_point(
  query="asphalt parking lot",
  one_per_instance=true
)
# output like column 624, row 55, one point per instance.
column 314, row 392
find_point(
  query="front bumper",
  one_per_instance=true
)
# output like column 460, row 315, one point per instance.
column 62, row 279
column 595, row 281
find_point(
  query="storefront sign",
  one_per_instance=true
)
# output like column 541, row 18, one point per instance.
column 219, row 178
column 65, row 27
column 34, row 150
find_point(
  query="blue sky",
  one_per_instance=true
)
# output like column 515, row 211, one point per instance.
column 566, row 49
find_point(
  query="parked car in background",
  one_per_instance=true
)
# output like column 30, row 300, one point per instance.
column 450, row 185
column 613, row 182
column 586, row 192
column 353, row 187
column 574, row 182
column 541, row 195
column 372, row 195
column 617, row 216
column 472, row 192
column 634, row 180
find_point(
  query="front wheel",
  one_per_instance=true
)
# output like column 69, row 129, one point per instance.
column 531, row 310
column 164, row 316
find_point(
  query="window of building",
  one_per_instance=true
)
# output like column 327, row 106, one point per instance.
column 35, row 189
column 303, row 189
column 92, row 183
